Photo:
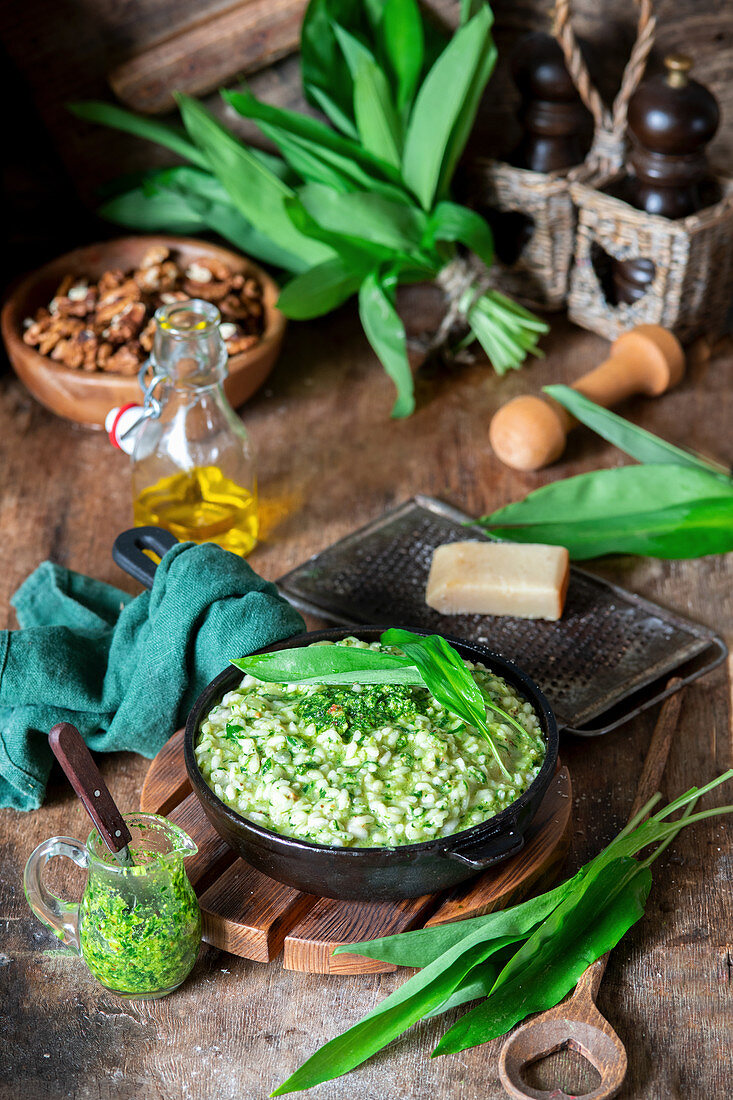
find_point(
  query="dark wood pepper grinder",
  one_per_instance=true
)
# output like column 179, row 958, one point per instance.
column 557, row 126
column 671, row 120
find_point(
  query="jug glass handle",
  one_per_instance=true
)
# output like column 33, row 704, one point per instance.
column 62, row 917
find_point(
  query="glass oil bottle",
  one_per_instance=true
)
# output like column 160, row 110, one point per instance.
column 192, row 461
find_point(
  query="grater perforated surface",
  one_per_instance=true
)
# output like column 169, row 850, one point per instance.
column 609, row 646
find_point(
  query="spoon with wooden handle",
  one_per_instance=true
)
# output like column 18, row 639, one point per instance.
column 530, row 432
column 69, row 748
column 576, row 1024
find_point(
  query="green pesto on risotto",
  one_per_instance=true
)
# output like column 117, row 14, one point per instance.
column 364, row 765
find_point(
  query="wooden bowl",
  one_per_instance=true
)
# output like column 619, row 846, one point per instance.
column 86, row 397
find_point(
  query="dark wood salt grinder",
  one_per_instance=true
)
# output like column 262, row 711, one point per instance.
column 557, row 128
column 671, row 120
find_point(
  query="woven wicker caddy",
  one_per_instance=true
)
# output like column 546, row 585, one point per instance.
column 693, row 257
column 539, row 275
column 693, row 265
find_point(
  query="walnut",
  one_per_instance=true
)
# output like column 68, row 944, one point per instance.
column 219, row 270
column 104, row 352
column 251, row 288
column 157, row 277
column 88, row 342
column 210, row 292
column 198, row 273
column 126, row 360
column 110, row 281
column 154, row 256
column 115, row 303
column 76, row 305
column 108, row 325
column 147, row 334
column 127, row 324
column 36, row 329
column 240, row 343
column 233, row 308
column 64, row 352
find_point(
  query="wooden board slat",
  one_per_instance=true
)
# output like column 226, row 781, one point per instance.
column 330, row 924
column 166, row 783
column 249, row 914
column 214, row 854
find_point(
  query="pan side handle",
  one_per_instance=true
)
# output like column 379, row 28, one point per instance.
column 129, row 547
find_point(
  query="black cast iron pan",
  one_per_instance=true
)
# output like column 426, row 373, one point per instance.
column 370, row 874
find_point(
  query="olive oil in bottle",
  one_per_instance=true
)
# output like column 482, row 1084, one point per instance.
column 201, row 505
column 192, row 464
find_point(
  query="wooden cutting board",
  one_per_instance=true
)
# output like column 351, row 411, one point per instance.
column 251, row 915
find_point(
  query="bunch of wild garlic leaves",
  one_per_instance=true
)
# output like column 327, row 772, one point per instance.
column 675, row 504
column 358, row 206
column 513, row 962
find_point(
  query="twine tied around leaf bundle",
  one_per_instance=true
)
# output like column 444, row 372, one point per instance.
column 463, row 281
column 608, row 151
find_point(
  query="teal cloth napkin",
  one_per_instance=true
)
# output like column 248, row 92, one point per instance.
column 124, row 670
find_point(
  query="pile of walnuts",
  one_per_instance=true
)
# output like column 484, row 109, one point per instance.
column 109, row 325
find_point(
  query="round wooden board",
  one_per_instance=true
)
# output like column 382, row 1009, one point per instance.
column 251, row 915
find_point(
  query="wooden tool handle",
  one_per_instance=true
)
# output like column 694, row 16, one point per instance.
column 530, row 432
column 199, row 58
column 655, row 762
column 75, row 758
column 658, row 751
column 647, row 360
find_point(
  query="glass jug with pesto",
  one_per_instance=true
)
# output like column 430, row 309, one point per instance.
column 138, row 928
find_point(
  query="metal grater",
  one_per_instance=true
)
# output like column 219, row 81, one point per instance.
column 608, row 658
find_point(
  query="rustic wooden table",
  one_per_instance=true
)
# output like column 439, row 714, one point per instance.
column 330, row 459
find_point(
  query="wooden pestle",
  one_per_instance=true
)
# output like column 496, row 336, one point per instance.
column 530, row 432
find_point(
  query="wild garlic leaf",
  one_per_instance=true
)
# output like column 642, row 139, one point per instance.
column 428, row 989
column 576, row 923
column 642, row 445
column 450, row 682
column 204, row 194
column 150, row 129
column 301, row 663
column 376, row 118
column 322, row 62
column 401, row 31
column 310, row 130
column 360, row 252
column 439, row 104
column 467, row 117
column 319, row 289
column 354, row 50
column 551, row 961
column 396, row 225
column 256, row 191
column 451, row 222
column 664, row 510
column 386, row 334
column 149, row 209
column 424, row 945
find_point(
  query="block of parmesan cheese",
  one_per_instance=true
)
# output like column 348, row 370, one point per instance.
column 499, row 578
